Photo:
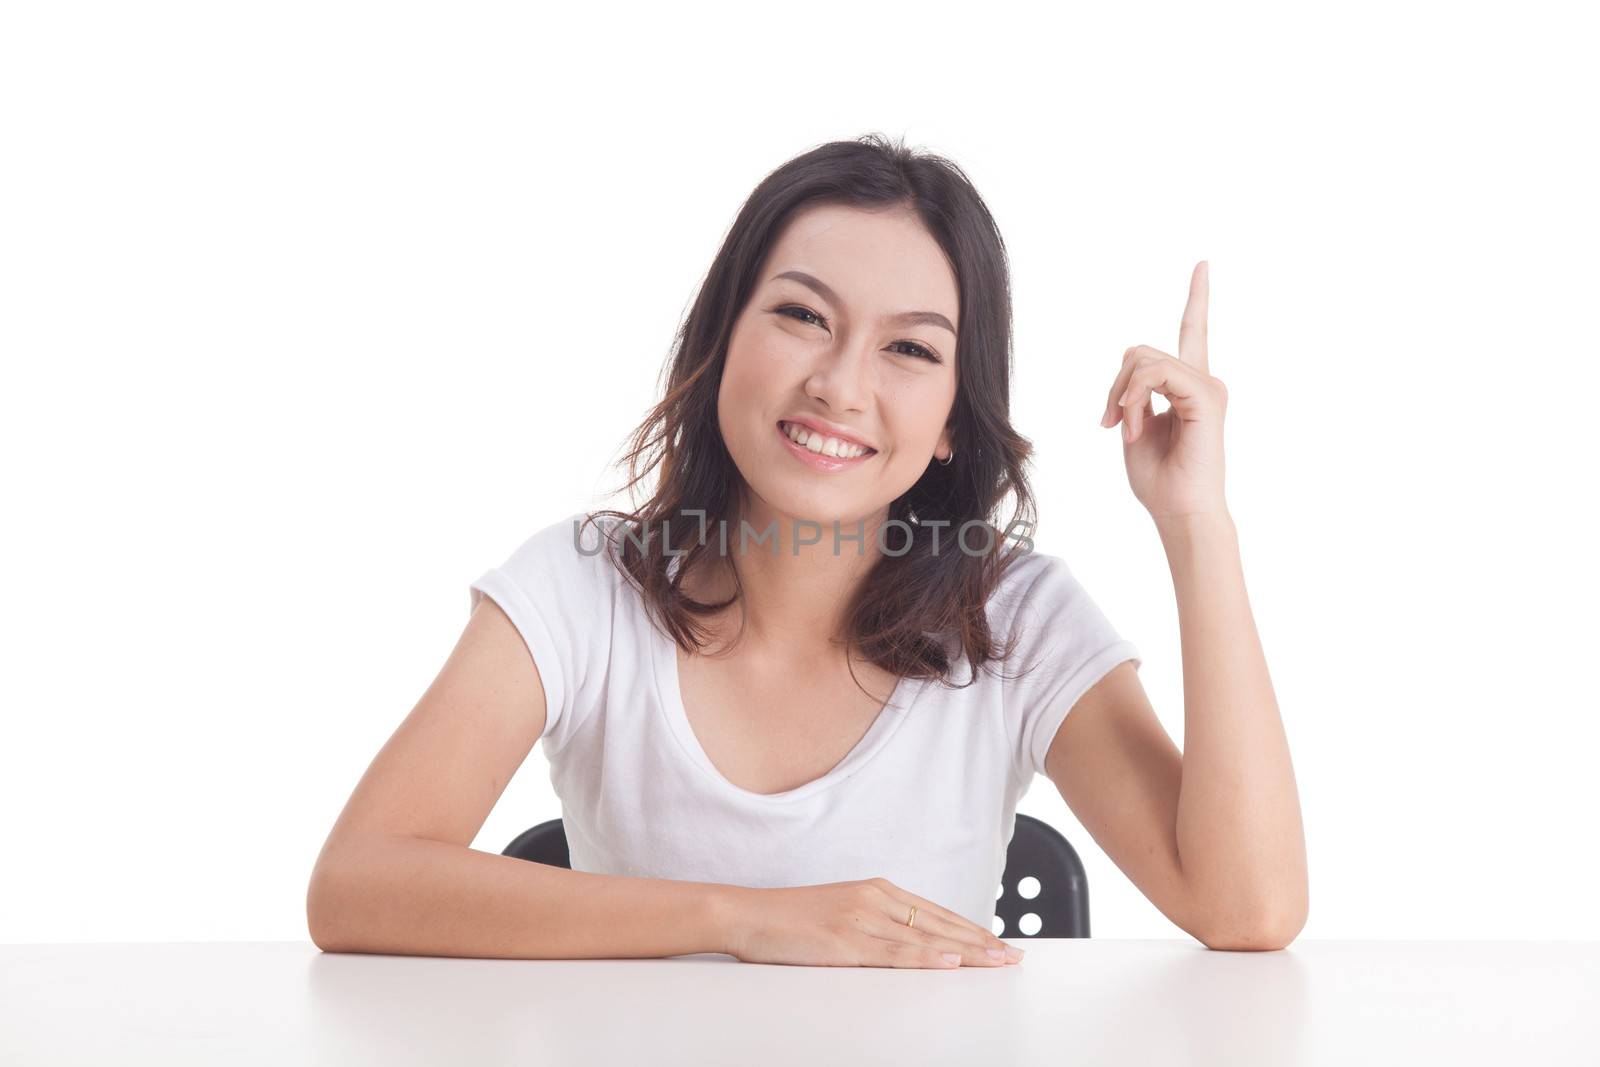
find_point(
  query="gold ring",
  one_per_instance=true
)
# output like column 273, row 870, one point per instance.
column 913, row 916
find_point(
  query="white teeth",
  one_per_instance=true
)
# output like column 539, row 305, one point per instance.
column 819, row 443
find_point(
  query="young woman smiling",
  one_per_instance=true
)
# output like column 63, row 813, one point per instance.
column 809, row 750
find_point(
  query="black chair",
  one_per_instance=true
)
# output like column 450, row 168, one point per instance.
column 1037, row 849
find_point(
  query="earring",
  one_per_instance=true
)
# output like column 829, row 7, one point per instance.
column 946, row 461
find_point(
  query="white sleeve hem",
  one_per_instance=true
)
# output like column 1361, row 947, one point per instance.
column 1060, row 702
column 536, row 635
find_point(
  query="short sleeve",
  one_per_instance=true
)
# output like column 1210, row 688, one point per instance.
column 558, row 589
column 1064, row 641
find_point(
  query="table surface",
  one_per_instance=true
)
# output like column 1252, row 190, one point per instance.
column 1069, row 1002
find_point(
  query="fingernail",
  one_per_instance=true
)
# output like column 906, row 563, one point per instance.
column 995, row 953
column 1014, row 952
column 951, row 957
column 1105, row 420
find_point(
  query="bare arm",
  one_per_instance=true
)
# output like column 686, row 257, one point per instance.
column 397, row 873
column 415, row 897
column 1238, row 820
column 1212, row 836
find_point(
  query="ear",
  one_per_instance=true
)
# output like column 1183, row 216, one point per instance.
column 942, row 450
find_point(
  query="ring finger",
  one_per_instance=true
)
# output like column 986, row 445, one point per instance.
column 938, row 925
column 972, row 955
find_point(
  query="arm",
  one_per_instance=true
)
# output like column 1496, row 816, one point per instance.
column 397, row 875
column 416, row 897
column 1238, row 820
column 1212, row 836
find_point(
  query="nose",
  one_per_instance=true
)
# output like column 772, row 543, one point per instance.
column 843, row 377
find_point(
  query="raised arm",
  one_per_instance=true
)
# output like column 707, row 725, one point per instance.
column 1213, row 836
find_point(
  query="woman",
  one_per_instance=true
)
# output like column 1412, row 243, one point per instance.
column 778, row 699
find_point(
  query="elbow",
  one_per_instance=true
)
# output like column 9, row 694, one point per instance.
column 1252, row 939
column 320, row 913
column 1261, row 929
column 321, row 935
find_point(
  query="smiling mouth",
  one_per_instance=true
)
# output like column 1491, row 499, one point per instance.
column 821, row 444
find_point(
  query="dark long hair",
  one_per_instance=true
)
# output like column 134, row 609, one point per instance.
column 914, row 613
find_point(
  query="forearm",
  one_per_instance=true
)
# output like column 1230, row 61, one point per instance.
column 409, row 896
column 1240, row 840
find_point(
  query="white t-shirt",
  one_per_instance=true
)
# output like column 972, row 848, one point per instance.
column 926, row 799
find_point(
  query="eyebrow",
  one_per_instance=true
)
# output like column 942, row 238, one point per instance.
column 904, row 318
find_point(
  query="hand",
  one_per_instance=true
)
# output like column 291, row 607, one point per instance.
column 854, row 924
column 1174, row 459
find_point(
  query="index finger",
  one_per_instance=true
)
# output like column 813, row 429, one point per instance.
column 1192, row 331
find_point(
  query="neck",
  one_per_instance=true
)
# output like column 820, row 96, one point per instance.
column 794, row 595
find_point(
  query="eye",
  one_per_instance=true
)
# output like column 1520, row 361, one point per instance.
column 803, row 311
column 915, row 349
column 919, row 351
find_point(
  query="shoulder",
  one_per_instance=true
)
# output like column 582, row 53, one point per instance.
column 566, row 567
column 577, row 545
column 1032, row 586
column 1041, row 605
column 1031, row 581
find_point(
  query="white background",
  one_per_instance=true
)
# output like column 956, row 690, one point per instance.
column 312, row 312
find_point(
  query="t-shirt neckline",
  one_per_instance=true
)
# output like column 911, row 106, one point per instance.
column 669, row 692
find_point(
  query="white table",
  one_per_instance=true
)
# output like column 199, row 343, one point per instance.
column 1070, row 1002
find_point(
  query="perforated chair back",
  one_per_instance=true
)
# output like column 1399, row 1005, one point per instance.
column 1037, row 850
column 1061, row 895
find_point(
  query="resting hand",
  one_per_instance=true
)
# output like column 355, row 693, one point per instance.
column 855, row 924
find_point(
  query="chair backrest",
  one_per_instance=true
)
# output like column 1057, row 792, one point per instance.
column 1060, row 898
column 1037, row 850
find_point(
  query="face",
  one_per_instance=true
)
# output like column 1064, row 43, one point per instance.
column 850, row 328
